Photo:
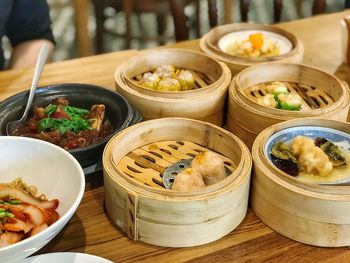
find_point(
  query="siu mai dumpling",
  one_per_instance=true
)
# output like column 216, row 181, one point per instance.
column 210, row 166
column 186, row 80
column 169, row 85
column 165, row 71
column 188, row 180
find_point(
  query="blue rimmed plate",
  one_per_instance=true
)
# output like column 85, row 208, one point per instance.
column 339, row 138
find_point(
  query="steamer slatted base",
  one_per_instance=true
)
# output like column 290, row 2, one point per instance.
column 136, row 200
column 312, row 97
column 147, row 164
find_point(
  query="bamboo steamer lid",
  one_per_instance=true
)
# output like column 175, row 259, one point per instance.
column 323, row 95
column 135, row 158
column 205, row 102
column 306, row 212
column 209, row 43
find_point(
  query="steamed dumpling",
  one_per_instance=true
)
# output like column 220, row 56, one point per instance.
column 150, row 81
column 186, row 80
column 169, row 85
column 165, row 71
column 188, row 180
column 210, row 166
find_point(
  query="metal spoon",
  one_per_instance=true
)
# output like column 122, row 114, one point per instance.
column 13, row 125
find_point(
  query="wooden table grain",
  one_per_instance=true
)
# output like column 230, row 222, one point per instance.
column 91, row 231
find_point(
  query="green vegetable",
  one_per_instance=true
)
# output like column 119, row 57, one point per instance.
column 72, row 111
column 75, row 124
column 51, row 108
column 289, row 101
column 15, row 202
column 6, row 214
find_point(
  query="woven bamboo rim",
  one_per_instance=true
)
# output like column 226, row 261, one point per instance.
column 128, row 139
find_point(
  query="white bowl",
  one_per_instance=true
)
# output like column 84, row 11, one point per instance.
column 283, row 43
column 67, row 257
column 55, row 173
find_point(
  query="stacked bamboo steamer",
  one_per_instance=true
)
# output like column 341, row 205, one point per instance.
column 306, row 212
column 323, row 95
column 205, row 102
column 135, row 199
column 209, row 43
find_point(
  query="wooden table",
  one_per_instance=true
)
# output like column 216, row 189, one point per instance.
column 91, row 231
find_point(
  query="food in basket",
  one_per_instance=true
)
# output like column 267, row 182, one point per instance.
column 268, row 100
column 256, row 45
column 189, row 179
column 167, row 78
column 186, row 80
column 150, row 80
column 165, row 71
column 210, row 166
column 311, row 158
column 207, row 168
column 279, row 97
column 169, row 84
column 66, row 126
column 23, row 213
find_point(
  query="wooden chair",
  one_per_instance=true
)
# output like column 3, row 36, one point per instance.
column 161, row 8
column 180, row 24
column 318, row 7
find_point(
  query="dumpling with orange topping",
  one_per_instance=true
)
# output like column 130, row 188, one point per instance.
column 256, row 45
column 210, row 166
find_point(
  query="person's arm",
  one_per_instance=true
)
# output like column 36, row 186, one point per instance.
column 24, row 55
column 28, row 28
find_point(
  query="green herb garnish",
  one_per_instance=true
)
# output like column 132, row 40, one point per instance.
column 75, row 123
column 72, row 111
column 4, row 214
column 51, row 108
column 15, row 202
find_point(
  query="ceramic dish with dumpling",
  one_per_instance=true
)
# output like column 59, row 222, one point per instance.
column 240, row 45
column 313, row 205
column 255, row 44
column 312, row 154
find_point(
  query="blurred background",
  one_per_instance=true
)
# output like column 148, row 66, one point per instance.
column 145, row 23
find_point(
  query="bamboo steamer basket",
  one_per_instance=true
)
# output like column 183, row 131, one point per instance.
column 323, row 94
column 309, row 213
column 136, row 200
column 209, row 44
column 206, row 102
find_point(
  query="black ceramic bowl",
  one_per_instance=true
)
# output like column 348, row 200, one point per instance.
column 118, row 111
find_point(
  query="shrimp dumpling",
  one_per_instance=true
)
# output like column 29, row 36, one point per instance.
column 315, row 162
column 311, row 159
column 188, row 180
column 302, row 144
column 210, row 166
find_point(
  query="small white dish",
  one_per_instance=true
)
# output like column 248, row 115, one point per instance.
column 283, row 43
column 66, row 257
